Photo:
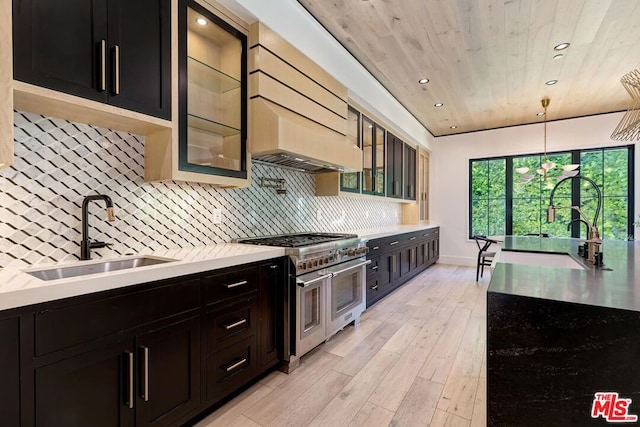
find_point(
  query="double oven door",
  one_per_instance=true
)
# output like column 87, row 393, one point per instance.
column 327, row 301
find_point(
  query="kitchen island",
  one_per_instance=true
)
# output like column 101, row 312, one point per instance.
column 557, row 336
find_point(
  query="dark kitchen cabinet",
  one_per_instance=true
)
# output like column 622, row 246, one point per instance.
column 112, row 51
column 395, row 151
column 10, row 372
column 155, row 354
column 399, row 258
column 350, row 181
column 212, row 65
column 373, row 161
column 409, row 171
column 168, row 373
column 271, row 331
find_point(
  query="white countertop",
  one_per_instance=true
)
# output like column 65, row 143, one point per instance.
column 18, row 289
column 380, row 232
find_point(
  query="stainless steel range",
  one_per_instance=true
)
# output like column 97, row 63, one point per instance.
column 326, row 290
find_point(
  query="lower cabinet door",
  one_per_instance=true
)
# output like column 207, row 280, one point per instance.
column 92, row 389
column 10, row 373
column 230, row 368
column 168, row 373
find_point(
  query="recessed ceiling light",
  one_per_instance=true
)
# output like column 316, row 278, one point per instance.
column 541, row 113
column 423, row 81
column 551, row 82
column 453, row 127
column 201, row 21
column 558, row 56
column 438, row 104
column 562, row 46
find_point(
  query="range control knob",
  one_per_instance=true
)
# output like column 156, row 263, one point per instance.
column 325, row 260
column 351, row 252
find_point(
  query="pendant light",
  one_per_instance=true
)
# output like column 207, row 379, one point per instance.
column 547, row 165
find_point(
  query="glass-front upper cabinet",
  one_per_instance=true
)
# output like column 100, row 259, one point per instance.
column 350, row 181
column 373, row 157
column 213, row 89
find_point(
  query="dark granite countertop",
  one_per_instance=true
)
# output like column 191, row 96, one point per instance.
column 617, row 285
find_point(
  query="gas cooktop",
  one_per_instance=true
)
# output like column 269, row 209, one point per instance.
column 296, row 240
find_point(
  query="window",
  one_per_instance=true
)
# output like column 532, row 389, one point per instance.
column 499, row 203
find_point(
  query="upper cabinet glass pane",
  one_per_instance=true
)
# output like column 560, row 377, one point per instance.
column 350, row 181
column 368, row 155
column 215, row 138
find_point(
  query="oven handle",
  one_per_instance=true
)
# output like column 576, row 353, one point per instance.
column 307, row 283
column 335, row 273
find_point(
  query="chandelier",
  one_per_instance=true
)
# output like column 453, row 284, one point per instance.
column 629, row 127
column 547, row 169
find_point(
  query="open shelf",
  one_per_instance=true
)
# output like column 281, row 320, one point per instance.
column 210, row 78
column 211, row 126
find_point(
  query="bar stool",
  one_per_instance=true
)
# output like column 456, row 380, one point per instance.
column 485, row 258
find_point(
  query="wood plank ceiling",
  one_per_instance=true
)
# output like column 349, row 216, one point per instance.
column 488, row 60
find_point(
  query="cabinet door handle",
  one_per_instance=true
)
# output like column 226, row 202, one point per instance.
column 375, row 267
column 130, row 379
column 234, row 324
column 393, row 263
column 273, row 267
column 413, row 238
column 393, row 243
column 103, row 65
column 145, row 373
column 235, row 365
column 374, row 288
column 396, row 188
column 116, row 65
column 234, row 285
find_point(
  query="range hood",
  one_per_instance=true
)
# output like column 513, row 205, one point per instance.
column 284, row 138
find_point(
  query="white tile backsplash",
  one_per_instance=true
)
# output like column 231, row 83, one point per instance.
column 58, row 163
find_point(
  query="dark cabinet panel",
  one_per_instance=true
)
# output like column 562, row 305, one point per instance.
column 230, row 368
column 409, row 171
column 394, row 166
column 92, row 389
column 59, row 45
column 231, row 284
column 140, row 56
column 10, row 373
column 111, row 51
column 232, row 323
column 271, row 309
column 168, row 373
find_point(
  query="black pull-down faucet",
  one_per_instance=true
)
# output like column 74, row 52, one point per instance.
column 86, row 245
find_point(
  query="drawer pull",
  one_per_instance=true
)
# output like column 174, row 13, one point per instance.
column 234, row 324
column 130, row 380
column 413, row 238
column 235, row 365
column 375, row 267
column 393, row 243
column 235, row 285
column 375, row 248
column 425, row 235
column 145, row 373
column 374, row 288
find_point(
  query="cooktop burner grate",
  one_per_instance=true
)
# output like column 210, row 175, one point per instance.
column 296, row 240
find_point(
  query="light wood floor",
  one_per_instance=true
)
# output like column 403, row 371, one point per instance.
column 416, row 359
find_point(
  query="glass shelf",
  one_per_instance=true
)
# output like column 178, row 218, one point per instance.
column 200, row 123
column 208, row 77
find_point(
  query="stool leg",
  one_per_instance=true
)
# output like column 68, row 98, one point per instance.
column 478, row 267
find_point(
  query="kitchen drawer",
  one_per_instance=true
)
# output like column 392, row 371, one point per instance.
column 232, row 323
column 384, row 245
column 373, row 267
column 86, row 319
column 231, row 368
column 230, row 284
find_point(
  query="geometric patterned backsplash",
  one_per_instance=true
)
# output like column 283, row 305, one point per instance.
column 57, row 163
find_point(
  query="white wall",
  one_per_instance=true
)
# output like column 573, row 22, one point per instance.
column 289, row 19
column 450, row 169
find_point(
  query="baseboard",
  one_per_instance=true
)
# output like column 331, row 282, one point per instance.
column 457, row 260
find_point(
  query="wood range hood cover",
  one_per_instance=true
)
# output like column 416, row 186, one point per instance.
column 297, row 111
column 287, row 139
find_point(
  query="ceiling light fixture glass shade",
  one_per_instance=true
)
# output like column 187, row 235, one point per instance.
column 547, row 166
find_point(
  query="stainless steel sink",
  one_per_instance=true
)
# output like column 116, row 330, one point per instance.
column 98, row 267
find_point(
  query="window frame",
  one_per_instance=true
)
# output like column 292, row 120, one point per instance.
column 575, row 186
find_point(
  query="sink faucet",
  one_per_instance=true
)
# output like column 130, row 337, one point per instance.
column 578, row 220
column 593, row 241
column 86, row 245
